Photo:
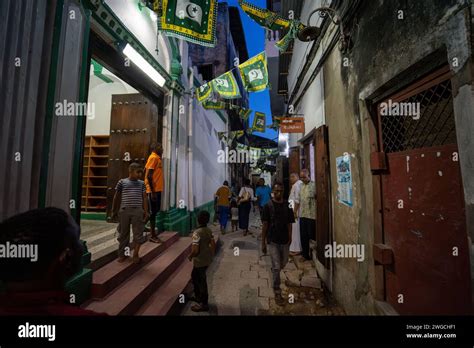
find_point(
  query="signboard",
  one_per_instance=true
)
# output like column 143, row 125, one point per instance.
column 292, row 125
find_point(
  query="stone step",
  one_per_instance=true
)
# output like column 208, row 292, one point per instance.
column 89, row 232
column 114, row 273
column 168, row 294
column 134, row 292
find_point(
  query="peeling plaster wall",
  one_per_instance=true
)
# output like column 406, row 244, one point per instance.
column 385, row 47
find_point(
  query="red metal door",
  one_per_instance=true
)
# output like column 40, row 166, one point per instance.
column 423, row 205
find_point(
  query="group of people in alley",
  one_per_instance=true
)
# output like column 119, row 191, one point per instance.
column 287, row 225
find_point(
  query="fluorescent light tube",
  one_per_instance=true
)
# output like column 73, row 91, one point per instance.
column 144, row 66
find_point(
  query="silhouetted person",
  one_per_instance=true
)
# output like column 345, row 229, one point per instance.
column 36, row 287
column 277, row 218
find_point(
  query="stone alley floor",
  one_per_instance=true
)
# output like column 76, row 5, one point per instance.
column 240, row 283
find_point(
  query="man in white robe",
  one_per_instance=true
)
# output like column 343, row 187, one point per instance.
column 294, row 198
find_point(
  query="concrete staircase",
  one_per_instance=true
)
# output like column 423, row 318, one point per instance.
column 152, row 287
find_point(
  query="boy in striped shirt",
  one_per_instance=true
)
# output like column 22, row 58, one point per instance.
column 130, row 195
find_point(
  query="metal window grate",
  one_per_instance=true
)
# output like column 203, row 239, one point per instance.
column 434, row 127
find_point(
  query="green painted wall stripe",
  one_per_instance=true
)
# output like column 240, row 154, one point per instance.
column 53, row 71
column 76, row 182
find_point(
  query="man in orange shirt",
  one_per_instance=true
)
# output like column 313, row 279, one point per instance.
column 154, row 186
column 223, row 196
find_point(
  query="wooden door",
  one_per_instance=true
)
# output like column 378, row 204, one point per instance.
column 323, row 200
column 135, row 123
column 294, row 160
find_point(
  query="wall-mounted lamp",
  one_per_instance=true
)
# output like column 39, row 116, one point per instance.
column 310, row 33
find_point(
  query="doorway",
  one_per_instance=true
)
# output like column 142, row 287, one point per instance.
column 423, row 214
column 126, row 119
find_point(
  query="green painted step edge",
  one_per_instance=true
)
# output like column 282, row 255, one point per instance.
column 93, row 216
column 80, row 285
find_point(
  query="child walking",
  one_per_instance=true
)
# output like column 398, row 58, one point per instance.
column 130, row 195
column 234, row 211
column 202, row 252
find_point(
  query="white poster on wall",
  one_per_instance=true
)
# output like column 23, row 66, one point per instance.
column 344, row 180
column 311, row 163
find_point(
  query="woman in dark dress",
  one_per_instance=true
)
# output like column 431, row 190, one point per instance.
column 246, row 196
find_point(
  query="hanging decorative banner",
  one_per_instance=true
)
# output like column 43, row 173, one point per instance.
column 213, row 104
column 254, row 73
column 244, row 114
column 259, row 122
column 276, row 123
column 226, row 86
column 264, row 17
column 241, row 147
column 190, row 20
column 271, row 152
column 239, row 133
column 221, row 135
column 203, row 92
column 231, row 138
column 283, row 44
column 273, row 21
column 256, row 152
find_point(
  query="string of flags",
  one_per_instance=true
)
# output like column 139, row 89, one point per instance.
column 234, row 135
column 195, row 21
column 254, row 76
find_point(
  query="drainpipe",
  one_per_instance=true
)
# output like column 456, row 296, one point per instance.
column 167, row 143
column 190, row 147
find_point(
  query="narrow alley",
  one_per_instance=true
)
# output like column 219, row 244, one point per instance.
column 239, row 281
column 287, row 163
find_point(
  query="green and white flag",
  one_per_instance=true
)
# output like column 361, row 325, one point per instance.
column 244, row 114
column 241, row 147
column 226, row 86
column 283, row 44
column 254, row 73
column 259, row 121
column 231, row 138
column 213, row 105
column 221, row 135
column 239, row 133
column 203, row 92
column 256, row 152
column 190, row 20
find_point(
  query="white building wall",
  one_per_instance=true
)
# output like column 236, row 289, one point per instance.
column 208, row 174
column 311, row 104
column 100, row 96
column 143, row 25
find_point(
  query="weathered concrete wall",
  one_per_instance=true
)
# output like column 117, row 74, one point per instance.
column 351, row 225
column 384, row 48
